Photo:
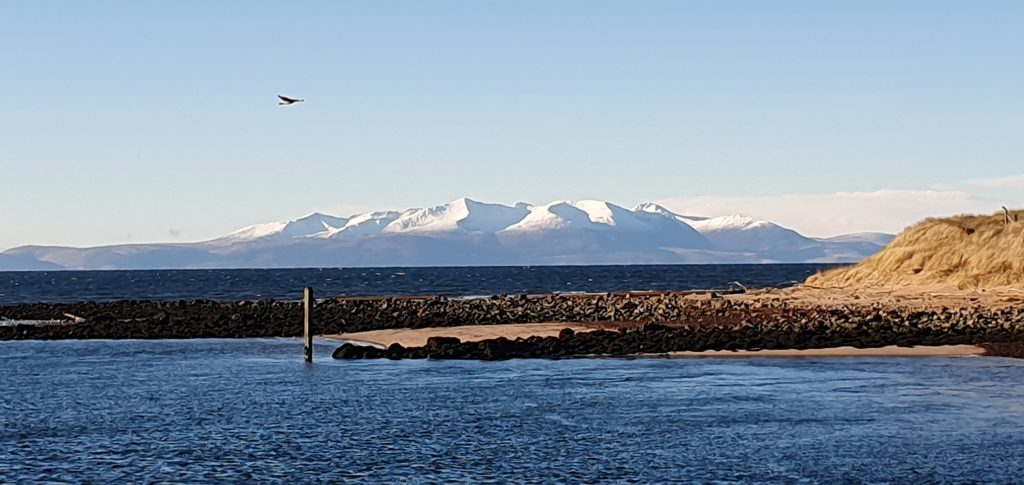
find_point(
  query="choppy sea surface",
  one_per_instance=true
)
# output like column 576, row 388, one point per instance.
column 287, row 284
column 251, row 410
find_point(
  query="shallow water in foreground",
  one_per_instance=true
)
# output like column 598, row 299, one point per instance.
column 215, row 410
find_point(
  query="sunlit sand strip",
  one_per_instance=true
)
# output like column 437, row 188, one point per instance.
column 417, row 337
column 890, row 351
column 921, row 297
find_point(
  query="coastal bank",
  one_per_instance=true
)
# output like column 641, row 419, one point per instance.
column 618, row 324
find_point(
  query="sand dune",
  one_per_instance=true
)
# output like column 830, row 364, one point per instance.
column 963, row 252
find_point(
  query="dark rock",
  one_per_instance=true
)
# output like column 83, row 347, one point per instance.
column 690, row 324
column 349, row 351
column 441, row 342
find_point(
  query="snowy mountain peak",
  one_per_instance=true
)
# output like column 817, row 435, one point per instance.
column 468, row 232
column 596, row 215
column 465, row 215
column 368, row 224
column 459, row 215
column 646, row 224
column 724, row 223
column 599, row 211
column 652, row 208
column 553, row 216
column 307, row 226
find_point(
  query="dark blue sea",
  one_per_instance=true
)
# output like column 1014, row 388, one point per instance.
column 204, row 411
column 287, row 284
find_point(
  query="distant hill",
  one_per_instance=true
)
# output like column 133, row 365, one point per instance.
column 467, row 232
column 16, row 262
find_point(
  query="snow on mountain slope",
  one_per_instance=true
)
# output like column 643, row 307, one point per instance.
column 744, row 233
column 368, row 224
column 652, row 208
column 556, row 215
column 735, row 222
column 647, row 225
column 601, row 212
column 460, row 215
column 465, row 231
column 583, row 214
column 738, row 232
column 591, row 229
column 312, row 225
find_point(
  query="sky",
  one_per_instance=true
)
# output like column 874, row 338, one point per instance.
column 157, row 121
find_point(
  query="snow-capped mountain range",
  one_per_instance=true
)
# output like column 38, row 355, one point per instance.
column 467, row 232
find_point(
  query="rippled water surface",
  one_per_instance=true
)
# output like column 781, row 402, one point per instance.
column 287, row 284
column 214, row 410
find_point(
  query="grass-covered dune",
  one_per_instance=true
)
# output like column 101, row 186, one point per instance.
column 967, row 252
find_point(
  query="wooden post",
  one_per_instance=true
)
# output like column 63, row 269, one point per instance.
column 307, row 332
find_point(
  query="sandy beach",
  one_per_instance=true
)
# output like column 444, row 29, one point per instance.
column 417, row 337
column 920, row 297
column 889, row 351
column 603, row 324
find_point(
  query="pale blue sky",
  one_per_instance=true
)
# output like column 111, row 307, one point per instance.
column 156, row 121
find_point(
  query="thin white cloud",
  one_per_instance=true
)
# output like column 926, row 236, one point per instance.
column 1007, row 182
column 823, row 215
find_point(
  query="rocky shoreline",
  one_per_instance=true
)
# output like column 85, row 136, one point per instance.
column 999, row 334
column 141, row 319
column 634, row 323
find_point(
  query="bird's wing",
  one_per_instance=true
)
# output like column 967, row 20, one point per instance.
column 286, row 99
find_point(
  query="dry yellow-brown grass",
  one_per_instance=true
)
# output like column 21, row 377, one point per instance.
column 966, row 252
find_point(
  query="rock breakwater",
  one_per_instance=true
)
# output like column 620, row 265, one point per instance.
column 208, row 319
column 636, row 323
column 1005, row 349
column 740, row 328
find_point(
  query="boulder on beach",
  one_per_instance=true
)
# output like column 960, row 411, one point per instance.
column 965, row 252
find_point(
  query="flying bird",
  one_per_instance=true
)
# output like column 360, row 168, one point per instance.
column 286, row 101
